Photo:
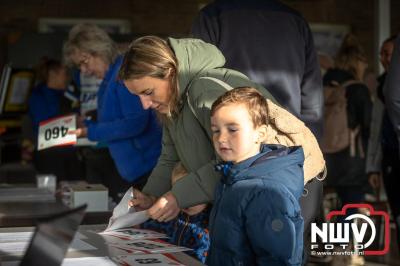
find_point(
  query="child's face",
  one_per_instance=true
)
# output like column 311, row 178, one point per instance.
column 234, row 136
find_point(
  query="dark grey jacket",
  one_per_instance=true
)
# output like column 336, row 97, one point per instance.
column 273, row 45
column 391, row 89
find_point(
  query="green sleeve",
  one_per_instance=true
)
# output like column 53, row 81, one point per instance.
column 197, row 187
column 159, row 181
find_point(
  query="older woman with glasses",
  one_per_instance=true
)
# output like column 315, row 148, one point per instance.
column 132, row 134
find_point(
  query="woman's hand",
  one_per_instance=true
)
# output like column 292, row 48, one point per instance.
column 141, row 201
column 79, row 132
column 165, row 209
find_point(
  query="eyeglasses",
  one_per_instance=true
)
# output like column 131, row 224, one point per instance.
column 84, row 61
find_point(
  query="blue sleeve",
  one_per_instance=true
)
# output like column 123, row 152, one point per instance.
column 37, row 111
column 130, row 122
column 391, row 89
column 275, row 230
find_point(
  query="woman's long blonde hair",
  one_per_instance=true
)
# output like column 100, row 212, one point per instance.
column 151, row 56
column 349, row 55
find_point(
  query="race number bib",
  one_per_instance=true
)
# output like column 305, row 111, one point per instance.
column 54, row 132
column 146, row 259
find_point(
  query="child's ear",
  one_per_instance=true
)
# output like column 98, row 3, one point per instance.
column 262, row 133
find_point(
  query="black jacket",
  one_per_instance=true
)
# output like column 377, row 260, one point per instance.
column 391, row 89
column 273, row 45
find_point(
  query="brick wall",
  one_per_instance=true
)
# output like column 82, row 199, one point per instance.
column 147, row 16
column 174, row 17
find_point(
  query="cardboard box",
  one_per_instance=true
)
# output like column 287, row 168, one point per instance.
column 94, row 195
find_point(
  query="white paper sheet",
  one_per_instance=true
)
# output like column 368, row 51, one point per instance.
column 132, row 234
column 128, row 220
column 148, row 246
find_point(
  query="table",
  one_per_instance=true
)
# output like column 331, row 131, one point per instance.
column 95, row 240
column 27, row 213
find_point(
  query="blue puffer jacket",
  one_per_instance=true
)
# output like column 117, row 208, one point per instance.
column 132, row 134
column 256, row 218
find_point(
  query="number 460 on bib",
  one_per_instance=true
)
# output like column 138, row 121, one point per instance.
column 54, row 132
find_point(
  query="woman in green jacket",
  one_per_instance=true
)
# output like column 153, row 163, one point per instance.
column 173, row 77
column 166, row 75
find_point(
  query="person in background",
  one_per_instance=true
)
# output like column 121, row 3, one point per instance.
column 391, row 89
column 379, row 114
column 278, row 53
column 190, row 228
column 51, row 98
column 256, row 217
column 346, row 170
column 383, row 158
column 131, row 134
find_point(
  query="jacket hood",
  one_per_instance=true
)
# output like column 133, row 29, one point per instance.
column 336, row 75
column 271, row 158
column 194, row 56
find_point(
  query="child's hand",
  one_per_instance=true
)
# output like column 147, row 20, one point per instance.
column 141, row 201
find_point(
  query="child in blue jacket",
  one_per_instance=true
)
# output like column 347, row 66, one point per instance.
column 256, row 218
column 51, row 96
column 190, row 228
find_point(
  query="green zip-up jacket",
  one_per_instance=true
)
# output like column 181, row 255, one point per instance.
column 188, row 137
